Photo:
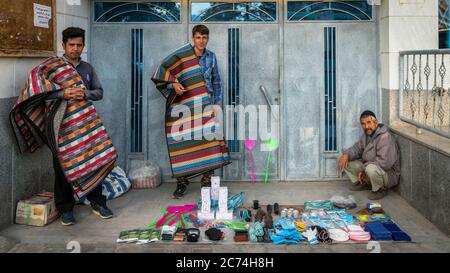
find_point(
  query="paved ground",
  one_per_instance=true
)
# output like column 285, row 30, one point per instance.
column 138, row 208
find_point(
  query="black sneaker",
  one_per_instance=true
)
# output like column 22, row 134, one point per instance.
column 181, row 189
column 102, row 211
column 67, row 218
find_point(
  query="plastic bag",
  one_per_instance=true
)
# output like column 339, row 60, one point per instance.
column 342, row 202
column 144, row 174
column 115, row 184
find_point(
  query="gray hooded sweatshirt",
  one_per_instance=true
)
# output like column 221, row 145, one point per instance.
column 382, row 150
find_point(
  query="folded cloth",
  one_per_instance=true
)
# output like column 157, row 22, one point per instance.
column 396, row 232
column 319, row 204
column 357, row 233
column 378, row 231
column 338, row 235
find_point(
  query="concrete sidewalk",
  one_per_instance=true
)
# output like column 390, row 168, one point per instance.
column 138, row 208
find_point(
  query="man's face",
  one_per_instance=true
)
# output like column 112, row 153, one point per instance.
column 200, row 40
column 73, row 47
column 369, row 125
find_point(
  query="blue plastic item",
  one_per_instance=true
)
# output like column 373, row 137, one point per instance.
column 378, row 232
column 397, row 233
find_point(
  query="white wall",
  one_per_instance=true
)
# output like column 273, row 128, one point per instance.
column 14, row 71
column 405, row 25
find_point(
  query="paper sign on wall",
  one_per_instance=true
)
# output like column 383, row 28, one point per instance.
column 42, row 14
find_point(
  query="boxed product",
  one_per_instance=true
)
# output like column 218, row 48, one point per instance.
column 38, row 210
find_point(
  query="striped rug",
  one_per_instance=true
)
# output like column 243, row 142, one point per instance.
column 193, row 149
column 83, row 148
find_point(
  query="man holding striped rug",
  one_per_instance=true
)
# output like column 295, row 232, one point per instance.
column 56, row 108
column 189, row 80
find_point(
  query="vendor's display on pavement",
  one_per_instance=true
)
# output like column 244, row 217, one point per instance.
column 332, row 221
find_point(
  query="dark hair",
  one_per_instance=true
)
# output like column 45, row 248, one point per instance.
column 202, row 29
column 73, row 32
column 366, row 114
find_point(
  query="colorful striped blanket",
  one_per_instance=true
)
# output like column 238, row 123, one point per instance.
column 192, row 146
column 72, row 129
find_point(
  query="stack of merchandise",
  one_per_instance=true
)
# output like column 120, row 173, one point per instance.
column 320, row 221
column 373, row 212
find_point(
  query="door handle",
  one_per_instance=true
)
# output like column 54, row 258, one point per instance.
column 269, row 101
column 266, row 96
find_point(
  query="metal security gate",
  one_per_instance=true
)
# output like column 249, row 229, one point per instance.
column 330, row 77
column 250, row 75
column 311, row 64
column 129, row 41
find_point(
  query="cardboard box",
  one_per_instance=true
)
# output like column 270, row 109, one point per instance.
column 38, row 210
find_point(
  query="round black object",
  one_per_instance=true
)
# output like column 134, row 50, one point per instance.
column 192, row 235
column 214, row 234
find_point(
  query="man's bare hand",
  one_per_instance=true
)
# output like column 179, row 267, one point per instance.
column 179, row 89
column 74, row 93
column 343, row 161
column 362, row 177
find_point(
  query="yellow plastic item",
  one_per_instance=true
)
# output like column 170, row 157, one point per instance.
column 364, row 218
column 300, row 226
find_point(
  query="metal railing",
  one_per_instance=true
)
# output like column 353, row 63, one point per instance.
column 424, row 97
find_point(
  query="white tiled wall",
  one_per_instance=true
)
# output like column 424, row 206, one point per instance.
column 14, row 71
column 405, row 25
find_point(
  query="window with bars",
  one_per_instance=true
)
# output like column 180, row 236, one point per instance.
column 329, row 11
column 137, row 68
column 233, row 84
column 233, row 12
column 330, row 88
column 137, row 12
